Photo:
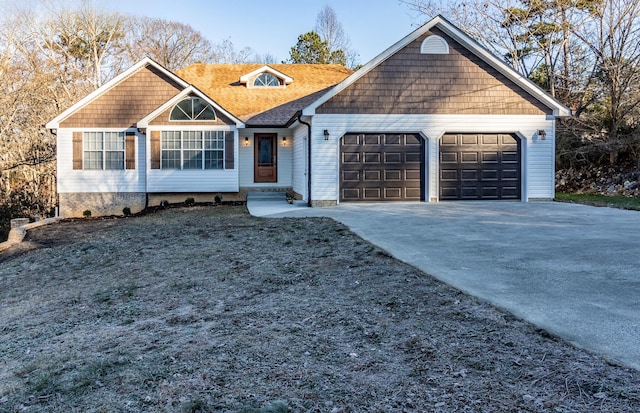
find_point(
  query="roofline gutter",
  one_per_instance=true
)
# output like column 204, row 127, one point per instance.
column 299, row 118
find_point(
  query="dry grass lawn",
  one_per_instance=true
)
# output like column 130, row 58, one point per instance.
column 207, row 309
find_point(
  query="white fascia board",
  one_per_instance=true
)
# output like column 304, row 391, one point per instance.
column 55, row 122
column 464, row 39
column 286, row 79
column 144, row 122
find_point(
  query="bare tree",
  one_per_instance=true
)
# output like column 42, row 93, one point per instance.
column 612, row 35
column 77, row 42
column 331, row 31
column 266, row 58
column 225, row 52
column 174, row 45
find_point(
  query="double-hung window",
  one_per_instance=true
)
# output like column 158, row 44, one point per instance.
column 192, row 150
column 103, row 150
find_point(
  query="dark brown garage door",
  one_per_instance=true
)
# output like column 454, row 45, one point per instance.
column 479, row 166
column 381, row 167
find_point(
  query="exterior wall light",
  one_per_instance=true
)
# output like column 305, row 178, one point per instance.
column 542, row 134
column 284, row 141
column 246, row 141
column 326, row 135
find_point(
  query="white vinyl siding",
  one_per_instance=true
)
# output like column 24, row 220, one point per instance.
column 202, row 178
column 300, row 160
column 284, row 158
column 98, row 180
column 537, row 154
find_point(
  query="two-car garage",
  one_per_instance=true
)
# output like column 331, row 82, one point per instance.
column 391, row 167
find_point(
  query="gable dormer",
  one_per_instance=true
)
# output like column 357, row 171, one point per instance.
column 265, row 77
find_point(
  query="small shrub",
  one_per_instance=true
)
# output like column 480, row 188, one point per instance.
column 86, row 213
column 218, row 199
column 290, row 196
column 126, row 211
column 189, row 201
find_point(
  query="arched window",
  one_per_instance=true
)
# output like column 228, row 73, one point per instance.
column 266, row 80
column 192, row 108
column 434, row 45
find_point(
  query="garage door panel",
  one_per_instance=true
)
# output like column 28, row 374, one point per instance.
column 449, row 140
column 469, row 192
column 412, row 193
column 448, row 157
column 510, row 174
column 413, row 157
column 390, row 167
column 490, row 139
column 394, row 193
column 469, row 175
column 350, row 192
column 490, row 157
column 469, row 157
column 412, row 175
column 449, row 175
column 370, row 157
column 510, row 157
column 490, row 174
column 510, row 191
column 469, row 139
column 490, row 192
column 372, row 139
column 392, row 157
column 351, row 176
column 393, row 139
column 372, row 193
column 393, row 175
column 479, row 166
column 351, row 157
column 371, row 175
column 351, row 140
column 412, row 140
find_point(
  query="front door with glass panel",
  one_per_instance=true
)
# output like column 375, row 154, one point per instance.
column 265, row 158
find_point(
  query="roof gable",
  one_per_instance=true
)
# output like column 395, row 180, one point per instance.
column 441, row 26
column 414, row 82
column 124, row 99
column 222, row 115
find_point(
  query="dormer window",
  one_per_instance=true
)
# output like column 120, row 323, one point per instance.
column 192, row 108
column 265, row 77
column 266, row 80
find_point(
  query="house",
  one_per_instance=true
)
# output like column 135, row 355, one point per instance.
column 434, row 117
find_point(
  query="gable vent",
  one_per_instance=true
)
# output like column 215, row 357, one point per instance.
column 434, row 45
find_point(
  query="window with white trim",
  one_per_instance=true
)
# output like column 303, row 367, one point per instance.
column 192, row 108
column 192, row 150
column 103, row 150
column 266, row 80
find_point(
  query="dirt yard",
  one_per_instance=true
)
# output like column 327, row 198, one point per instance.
column 207, row 309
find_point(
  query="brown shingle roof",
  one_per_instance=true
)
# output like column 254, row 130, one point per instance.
column 263, row 106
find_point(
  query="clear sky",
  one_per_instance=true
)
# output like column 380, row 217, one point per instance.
column 273, row 26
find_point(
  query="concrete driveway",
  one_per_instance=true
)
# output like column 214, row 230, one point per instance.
column 572, row 270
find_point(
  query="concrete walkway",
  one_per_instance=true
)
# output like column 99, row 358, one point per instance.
column 572, row 270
